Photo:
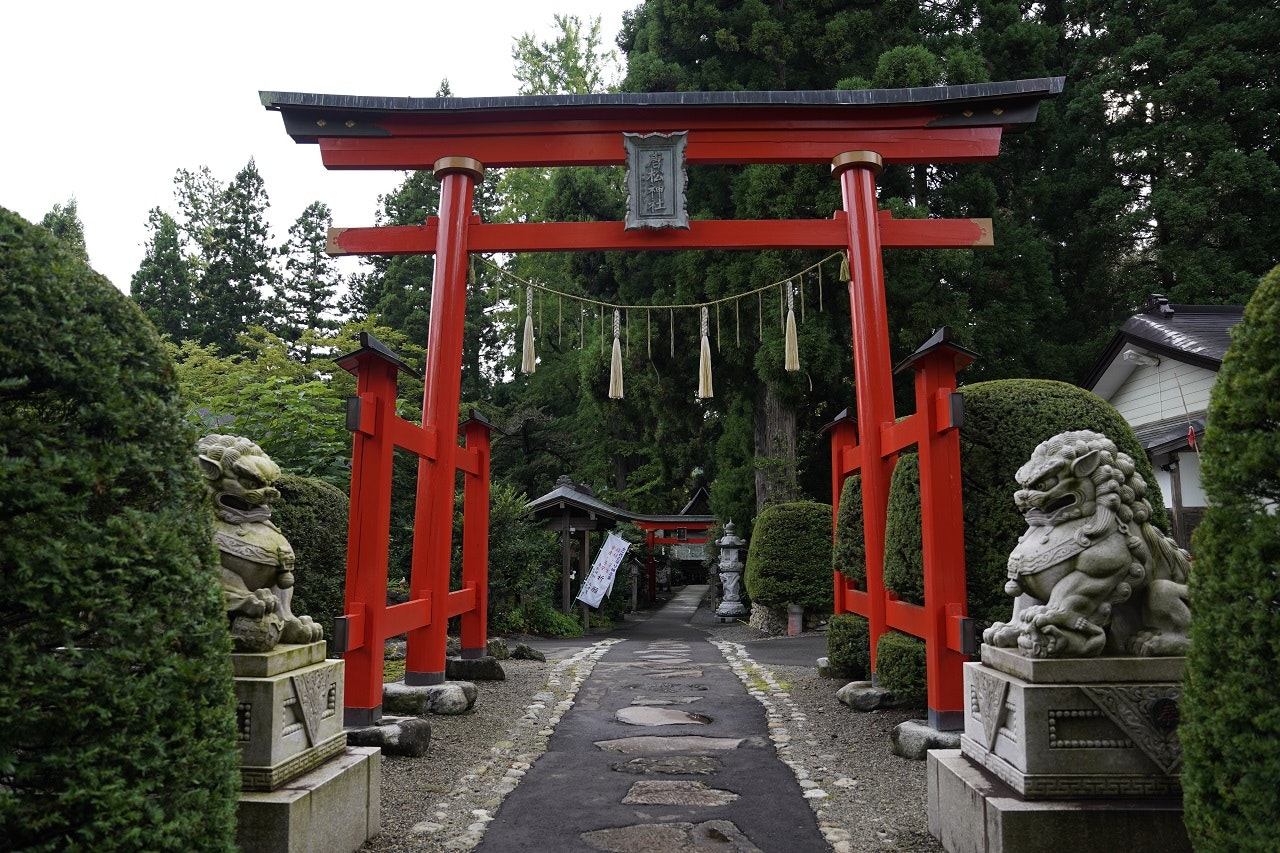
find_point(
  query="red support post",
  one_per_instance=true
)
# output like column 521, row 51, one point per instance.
column 358, row 633
column 475, row 539
column 844, row 436
column 873, row 371
column 942, row 523
column 433, row 516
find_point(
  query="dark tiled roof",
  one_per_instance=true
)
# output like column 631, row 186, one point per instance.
column 1194, row 334
column 1169, row 434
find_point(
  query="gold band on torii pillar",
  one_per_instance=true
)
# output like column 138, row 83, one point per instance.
column 869, row 159
column 467, row 165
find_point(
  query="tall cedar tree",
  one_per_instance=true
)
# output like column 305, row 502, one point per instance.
column 239, row 270
column 162, row 286
column 307, row 297
column 63, row 220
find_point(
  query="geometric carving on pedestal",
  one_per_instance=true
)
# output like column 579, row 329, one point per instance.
column 312, row 689
column 1147, row 713
column 989, row 695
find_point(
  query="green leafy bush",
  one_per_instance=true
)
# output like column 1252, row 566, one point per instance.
column 1231, row 726
column 117, row 717
column 312, row 514
column 849, row 644
column 900, row 666
column 789, row 558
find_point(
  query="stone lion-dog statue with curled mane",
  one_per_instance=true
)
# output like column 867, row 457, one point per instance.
column 257, row 560
column 1091, row 575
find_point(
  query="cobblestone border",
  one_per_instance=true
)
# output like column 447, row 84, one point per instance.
column 465, row 812
column 786, row 721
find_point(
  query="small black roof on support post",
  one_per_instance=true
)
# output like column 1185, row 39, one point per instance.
column 370, row 344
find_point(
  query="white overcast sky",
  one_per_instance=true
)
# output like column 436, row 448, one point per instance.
column 105, row 101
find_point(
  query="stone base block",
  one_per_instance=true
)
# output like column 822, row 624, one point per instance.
column 407, row 736
column 452, row 697
column 334, row 808
column 484, row 668
column 289, row 721
column 971, row 811
column 1054, row 740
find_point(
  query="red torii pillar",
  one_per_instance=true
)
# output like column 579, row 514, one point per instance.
column 433, row 515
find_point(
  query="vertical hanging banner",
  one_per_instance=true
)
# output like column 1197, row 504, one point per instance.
column 600, row 582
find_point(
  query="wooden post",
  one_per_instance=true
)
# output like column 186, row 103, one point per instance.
column 433, row 517
column 475, row 539
column 942, row 528
column 872, row 369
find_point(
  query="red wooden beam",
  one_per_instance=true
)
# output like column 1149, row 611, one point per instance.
column 816, row 146
column 701, row 234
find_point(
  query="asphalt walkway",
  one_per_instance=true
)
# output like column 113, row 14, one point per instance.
column 663, row 750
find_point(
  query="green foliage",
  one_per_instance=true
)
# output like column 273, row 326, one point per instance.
column 849, row 556
column 239, row 265
column 292, row 411
column 522, row 556
column 162, row 286
column 312, row 515
column 849, row 643
column 789, row 558
column 63, row 221
column 572, row 64
column 307, row 300
column 117, row 719
column 900, row 666
column 1231, row 726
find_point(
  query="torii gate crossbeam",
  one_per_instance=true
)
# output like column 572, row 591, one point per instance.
column 857, row 132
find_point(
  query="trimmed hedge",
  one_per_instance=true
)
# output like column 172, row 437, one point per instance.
column 312, row 515
column 900, row 666
column 1231, row 726
column 789, row 558
column 850, row 553
column 1004, row 421
column 849, row 644
column 117, row 717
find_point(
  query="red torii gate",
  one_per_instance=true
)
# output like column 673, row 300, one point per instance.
column 857, row 132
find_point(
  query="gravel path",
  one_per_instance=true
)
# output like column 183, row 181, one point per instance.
column 876, row 801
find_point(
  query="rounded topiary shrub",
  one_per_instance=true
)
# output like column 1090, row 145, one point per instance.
column 117, row 717
column 1004, row 421
column 900, row 667
column 1231, row 727
column 789, row 558
column 849, row 554
column 312, row 515
column 849, row 644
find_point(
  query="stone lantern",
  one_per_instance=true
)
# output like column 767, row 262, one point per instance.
column 731, row 566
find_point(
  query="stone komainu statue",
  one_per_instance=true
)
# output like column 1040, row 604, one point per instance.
column 1092, row 575
column 257, row 560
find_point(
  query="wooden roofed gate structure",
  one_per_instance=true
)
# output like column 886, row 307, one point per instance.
column 856, row 132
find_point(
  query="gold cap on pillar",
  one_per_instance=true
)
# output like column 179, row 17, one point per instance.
column 469, row 165
column 870, row 159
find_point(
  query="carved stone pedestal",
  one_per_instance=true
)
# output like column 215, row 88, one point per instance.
column 303, row 788
column 289, row 713
column 1062, row 755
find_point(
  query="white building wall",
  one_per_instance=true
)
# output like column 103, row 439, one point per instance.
column 1165, row 390
column 1189, row 472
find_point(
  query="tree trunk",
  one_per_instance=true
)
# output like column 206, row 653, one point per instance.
column 775, row 449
